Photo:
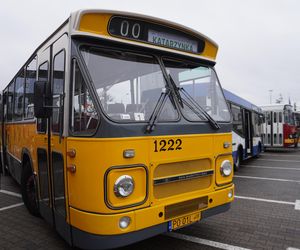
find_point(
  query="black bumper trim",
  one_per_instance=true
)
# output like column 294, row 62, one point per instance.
column 215, row 210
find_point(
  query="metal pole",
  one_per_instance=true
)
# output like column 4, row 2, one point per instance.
column 271, row 90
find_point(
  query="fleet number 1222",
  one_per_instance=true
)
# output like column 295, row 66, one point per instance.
column 167, row 145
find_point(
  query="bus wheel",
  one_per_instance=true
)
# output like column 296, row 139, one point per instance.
column 28, row 189
column 237, row 163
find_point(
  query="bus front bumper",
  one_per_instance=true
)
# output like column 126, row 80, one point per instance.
column 96, row 231
column 87, row 240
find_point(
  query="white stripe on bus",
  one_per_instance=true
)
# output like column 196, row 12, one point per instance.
column 204, row 241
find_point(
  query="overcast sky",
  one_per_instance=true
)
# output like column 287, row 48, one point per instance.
column 259, row 41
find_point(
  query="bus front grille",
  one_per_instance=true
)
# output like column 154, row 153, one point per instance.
column 182, row 177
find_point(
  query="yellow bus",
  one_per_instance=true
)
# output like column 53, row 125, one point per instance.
column 117, row 129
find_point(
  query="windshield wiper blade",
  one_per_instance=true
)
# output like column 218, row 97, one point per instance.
column 211, row 120
column 176, row 91
column 160, row 103
column 194, row 103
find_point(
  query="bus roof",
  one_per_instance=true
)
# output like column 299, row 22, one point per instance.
column 73, row 25
column 276, row 106
column 235, row 99
column 93, row 22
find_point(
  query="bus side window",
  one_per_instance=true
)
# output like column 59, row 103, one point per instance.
column 286, row 116
column 43, row 76
column 4, row 103
column 10, row 101
column 84, row 115
column 268, row 117
column 19, row 96
column 237, row 119
column 58, row 89
column 256, row 125
column 280, row 117
column 29, row 85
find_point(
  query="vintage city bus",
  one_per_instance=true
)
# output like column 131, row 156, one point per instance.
column 247, row 120
column 279, row 129
column 108, row 145
column 297, row 123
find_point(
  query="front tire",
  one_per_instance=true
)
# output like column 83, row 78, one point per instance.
column 29, row 190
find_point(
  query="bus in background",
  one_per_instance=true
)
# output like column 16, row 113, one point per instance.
column 297, row 123
column 2, row 169
column 279, row 129
column 246, row 128
column 103, row 133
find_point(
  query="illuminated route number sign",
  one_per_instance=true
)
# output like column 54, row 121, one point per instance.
column 156, row 34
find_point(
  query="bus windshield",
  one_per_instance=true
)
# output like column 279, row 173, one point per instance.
column 128, row 84
column 201, row 84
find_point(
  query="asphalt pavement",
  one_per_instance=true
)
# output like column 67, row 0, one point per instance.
column 264, row 215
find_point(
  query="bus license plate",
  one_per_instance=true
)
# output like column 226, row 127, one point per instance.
column 184, row 221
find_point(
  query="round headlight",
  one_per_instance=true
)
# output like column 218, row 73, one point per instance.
column 124, row 186
column 226, row 168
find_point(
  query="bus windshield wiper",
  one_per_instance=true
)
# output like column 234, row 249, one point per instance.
column 160, row 103
column 195, row 107
column 176, row 91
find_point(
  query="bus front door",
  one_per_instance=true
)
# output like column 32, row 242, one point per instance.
column 51, row 146
column 277, row 128
column 42, row 141
column 248, row 134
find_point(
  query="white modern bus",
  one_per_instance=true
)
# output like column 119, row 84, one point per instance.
column 246, row 128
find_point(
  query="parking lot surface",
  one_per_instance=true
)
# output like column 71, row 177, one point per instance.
column 264, row 215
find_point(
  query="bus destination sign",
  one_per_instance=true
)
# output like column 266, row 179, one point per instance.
column 153, row 33
column 172, row 41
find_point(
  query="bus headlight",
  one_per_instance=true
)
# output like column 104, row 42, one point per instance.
column 124, row 186
column 226, row 168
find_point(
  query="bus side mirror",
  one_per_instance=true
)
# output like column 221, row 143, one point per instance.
column 40, row 100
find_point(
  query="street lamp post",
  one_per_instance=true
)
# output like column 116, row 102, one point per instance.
column 270, row 90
